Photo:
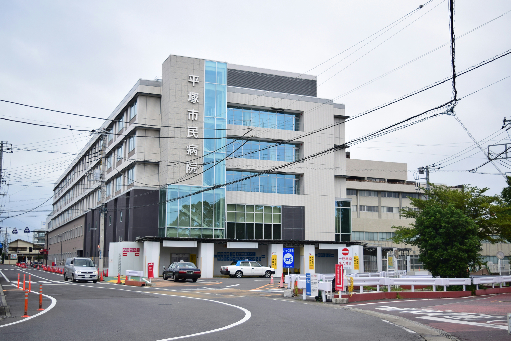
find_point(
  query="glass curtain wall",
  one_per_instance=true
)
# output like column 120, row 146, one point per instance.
column 342, row 221
column 260, row 150
column 263, row 118
column 196, row 211
column 254, row 222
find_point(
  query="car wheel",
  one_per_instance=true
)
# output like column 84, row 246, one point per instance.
column 164, row 277
column 65, row 277
column 194, row 279
column 267, row 274
column 239, row 274
column 176, row 278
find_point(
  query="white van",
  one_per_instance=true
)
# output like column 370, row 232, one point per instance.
column 80, row 269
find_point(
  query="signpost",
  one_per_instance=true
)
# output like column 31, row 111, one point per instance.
column 307, row 284
column 314, row 285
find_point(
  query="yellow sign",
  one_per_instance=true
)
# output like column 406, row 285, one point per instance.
column 311, row 262
column 274, row 261
column 193, row 258
column 391, row 261
column 355, row 263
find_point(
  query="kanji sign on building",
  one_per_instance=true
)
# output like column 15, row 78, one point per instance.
column 126, row 250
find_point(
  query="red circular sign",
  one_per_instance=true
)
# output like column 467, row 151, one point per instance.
column 345, row 252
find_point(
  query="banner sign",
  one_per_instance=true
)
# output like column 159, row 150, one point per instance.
column 339, row 277
column 308, row 284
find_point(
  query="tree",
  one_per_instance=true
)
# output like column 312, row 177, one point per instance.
column 450, row 225
column 490, row 213
column 506, row 192
column 447, row 241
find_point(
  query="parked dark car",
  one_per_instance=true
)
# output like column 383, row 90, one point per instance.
column 182, row 270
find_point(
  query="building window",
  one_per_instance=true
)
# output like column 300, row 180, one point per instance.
column 353, row 208
column 259, row 150
column 119, row 153
column 389, row 194
column 118, row 183
column 364, row 208
column 120, row 123
column 108, row 189
column 110, row 135
column 254, row 222
column 263, row 119
column 352, row 192
column 368, row 193
column 264, row 183
column 388, row 209
column 131, row 143
column 130, row 177
column 413, row 195
column 109, row 161
column 133, row 110
column 342, row 221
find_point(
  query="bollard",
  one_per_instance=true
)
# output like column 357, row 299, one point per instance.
column 26, row 305
column 18, row 281
column 40, row 297
column 29, row 283
column 23, row 282
column 119, row 279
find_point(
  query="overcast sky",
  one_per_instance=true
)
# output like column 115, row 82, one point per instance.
column 84, row 56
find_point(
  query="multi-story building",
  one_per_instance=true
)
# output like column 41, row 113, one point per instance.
column 202, row 165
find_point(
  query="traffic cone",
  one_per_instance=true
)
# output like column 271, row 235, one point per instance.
column 119, row 279
column 281, row 283
column 271, row 280
column 101, row 277
column 106, row 273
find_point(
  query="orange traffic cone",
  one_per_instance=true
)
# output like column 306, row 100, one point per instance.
column 101, row 277
column 119, row 279
column 271, row 280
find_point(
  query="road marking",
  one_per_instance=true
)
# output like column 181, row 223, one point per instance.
column 397, row 325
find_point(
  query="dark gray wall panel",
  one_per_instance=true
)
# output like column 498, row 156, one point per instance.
column 143, row 213
column 269, row 82
column 293, row 222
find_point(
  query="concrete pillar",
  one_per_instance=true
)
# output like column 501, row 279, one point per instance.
column 206, row 259
column 152, row 255
column 379, row 259
column 276, row 249
column 358, row 250
column 409, row 266
column 305, row 251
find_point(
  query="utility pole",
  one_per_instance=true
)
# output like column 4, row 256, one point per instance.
column 102, row 206
column 7, row 148
column 423, row 170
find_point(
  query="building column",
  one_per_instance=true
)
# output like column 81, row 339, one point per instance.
column 305, row 252
column 379, row 260
column 206, row 259
column 276, row 249
column 358, row 250
column 152, row 255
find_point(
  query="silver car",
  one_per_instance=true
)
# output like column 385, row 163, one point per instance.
column 80, row 269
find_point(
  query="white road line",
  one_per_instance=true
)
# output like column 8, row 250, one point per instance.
column 408, row 330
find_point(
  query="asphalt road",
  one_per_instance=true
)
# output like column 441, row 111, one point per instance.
column 216, row 309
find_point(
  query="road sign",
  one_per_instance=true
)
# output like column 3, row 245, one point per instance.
column 311, row 262
column 26, row 230
column 339, row 277
column 355, row 263
column 314, row 285
column 14, row 231
column 346, row 258
column 308, row 284
column 288, row 258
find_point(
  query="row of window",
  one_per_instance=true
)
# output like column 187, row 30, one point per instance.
column 254, row 214
column 260, row 150
column 119, row 152
column 342, row 221
column 117, row 183
column 263, row 119
column 263, row 183
column 384, row 209
column 67, row 235
column 118, row 126
column 384, row 194
column 372, row 236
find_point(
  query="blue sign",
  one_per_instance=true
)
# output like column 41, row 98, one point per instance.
column 1, row 245
column 288, row 258
column 26, row 230
column 308, row 290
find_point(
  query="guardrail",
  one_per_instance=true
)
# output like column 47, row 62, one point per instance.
column 325, row 281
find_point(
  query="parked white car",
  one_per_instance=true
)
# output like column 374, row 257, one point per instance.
column 246, row 268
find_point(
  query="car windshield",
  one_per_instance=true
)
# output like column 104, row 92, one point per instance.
column 186, row 265
column 83, row 262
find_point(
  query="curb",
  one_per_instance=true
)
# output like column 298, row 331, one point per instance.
column 5, row 310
